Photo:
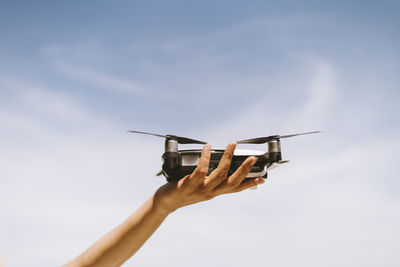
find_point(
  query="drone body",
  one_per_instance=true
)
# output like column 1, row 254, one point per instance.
column 187, row 161
column 179, row 163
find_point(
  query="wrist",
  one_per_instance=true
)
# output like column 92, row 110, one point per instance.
column 161, row 205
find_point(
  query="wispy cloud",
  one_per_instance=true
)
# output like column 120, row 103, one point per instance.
column 102, row 80
column 321, row 88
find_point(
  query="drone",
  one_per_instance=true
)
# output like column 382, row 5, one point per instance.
column 179, row 163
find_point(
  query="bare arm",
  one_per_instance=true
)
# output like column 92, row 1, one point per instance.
column 117, row 246
column 121, row 243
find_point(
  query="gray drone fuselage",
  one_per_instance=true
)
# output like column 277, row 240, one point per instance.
column 179, row 163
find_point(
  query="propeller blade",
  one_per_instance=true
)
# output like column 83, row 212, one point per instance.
column 262, row 140
column 292, row 135
column 258, row 140
column 185, row 140
column 159, row 135
column 179, row 139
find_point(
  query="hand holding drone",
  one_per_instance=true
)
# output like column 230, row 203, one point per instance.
column 180, row 163
column 199, row 186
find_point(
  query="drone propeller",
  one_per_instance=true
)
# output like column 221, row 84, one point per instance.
column 292, row 135
column 262, row 140
column 179, row 139
column 159, row 135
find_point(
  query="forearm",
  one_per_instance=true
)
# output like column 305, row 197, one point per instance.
column 122, row 242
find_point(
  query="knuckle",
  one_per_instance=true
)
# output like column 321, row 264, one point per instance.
column 217, row 172
column 200, row 172
column 220, row 173
column 203, row 171
column 229, row 154
column 223, row 175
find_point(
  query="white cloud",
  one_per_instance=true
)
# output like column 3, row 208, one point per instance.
column 321, row 89
column 31, row 96
column 102, row 80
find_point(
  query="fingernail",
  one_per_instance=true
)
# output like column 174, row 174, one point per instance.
column 208, row 146
column 253, row 160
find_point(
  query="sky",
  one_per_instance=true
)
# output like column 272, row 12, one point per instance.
column 75, row 75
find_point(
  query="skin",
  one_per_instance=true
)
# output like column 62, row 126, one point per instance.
column 121, row 243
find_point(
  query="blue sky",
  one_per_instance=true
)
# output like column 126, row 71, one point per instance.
column 179, row 52
column 74, row 76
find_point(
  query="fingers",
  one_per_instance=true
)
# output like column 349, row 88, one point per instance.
column 220, row 173
column 217, row 182
column 249, row 183
column 226, row 159
column 235, row 180
column 238, row 176
column 197, row 187
column 201, row 170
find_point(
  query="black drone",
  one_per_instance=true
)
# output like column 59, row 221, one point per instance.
column 179, row 163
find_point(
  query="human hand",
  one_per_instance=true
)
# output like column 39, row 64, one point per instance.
column 198, row 187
